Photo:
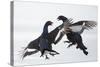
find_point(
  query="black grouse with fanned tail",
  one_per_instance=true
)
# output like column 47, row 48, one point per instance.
column 74, row 37
column 35, row 43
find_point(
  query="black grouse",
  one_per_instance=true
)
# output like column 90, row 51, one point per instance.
column 35, row 43
column 73, row 35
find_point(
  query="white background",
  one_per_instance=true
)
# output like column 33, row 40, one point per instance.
column 5, row 32
column 29, row 19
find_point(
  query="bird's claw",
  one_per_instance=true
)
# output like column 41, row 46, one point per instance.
column 52, row 54
column 77, row 47
column 57, row 53
column 47, row 58
column 68, row 46
column 67, row 41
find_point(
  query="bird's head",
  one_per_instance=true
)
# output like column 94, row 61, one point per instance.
column 49, row 23
column 63, row 18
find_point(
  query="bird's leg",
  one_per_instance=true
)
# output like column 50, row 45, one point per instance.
column 54, row 51
column 67, row 41
column 42, row 52
column 77, row 46
column 41, row 55
column 52, row 54
column 46, row 57
column 70, row 45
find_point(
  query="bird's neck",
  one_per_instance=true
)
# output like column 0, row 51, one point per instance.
column 64, row 20
column 45, row 30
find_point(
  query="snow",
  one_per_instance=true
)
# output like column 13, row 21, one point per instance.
column 29, row 19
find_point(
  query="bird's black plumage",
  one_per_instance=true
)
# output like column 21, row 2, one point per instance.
column 70, row 23
column 74, row 37
column 44, row 43
column 35, row 43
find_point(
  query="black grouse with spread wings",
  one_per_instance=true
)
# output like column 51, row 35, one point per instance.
column 35, row 43
column 74, row 36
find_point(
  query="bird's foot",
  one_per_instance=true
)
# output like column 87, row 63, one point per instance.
column 52, row 54
column 55, row 43
column 47, row 57
column 67, row 41
column 69, row 45
column 41, row 56
column 77, row 47
column 56, row 52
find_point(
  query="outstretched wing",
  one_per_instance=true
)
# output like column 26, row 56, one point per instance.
column 88, row 24
column 82, row 25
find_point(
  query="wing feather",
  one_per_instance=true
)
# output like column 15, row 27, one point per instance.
column 85, row 25
column 88, row 24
